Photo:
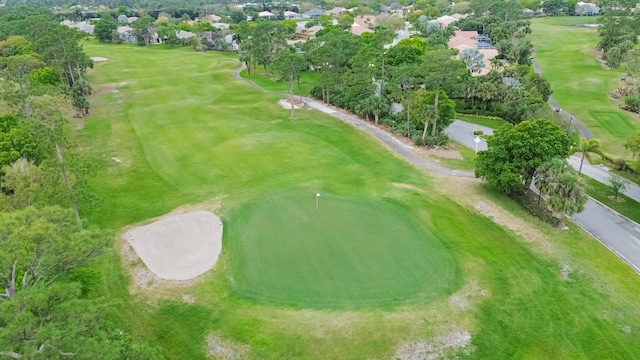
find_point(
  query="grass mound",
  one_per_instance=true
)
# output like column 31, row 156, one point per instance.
column 348, row 253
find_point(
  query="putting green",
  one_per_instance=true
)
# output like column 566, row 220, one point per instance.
column 348, row 253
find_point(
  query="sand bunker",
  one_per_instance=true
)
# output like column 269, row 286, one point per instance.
column 179, row 246
column 98, row 59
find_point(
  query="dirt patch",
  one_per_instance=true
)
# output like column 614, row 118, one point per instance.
column 467, row 193
column 110, row 88
column 438, row 348
column 598, row 55
column 616, row 199
column 223, row 349
column 565, row 271
column 287, row 105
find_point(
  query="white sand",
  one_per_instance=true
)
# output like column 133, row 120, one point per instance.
column 98, row 59
column 179, row 246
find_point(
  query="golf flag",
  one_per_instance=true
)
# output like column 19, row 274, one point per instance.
column 317, row 194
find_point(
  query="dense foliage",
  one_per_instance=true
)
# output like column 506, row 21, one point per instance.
column 50, row 304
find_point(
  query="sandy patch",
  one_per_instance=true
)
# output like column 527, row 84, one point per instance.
column 99, row 59
column 287, row 105
column 442, row 347
column 224, row 349
column 178, row 246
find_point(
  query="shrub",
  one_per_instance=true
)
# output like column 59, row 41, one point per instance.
column 478, row 132
column 438, row 140
column 620, row 163
column 528, row 204
column 632, row 103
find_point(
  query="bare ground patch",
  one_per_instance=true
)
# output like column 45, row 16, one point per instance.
column 436, row 348
column 224, row 349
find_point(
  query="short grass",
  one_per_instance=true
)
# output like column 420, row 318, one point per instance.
column 187, row 133
column 580, row 83
column 484, row 121
column 346, row 253
column 624, row 205
column 467, row 163
column 308, row 80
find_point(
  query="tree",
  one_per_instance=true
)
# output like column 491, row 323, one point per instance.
column 439, row 67
column 473, row 58
column 617, row 184
column 633, row 144
column 142, row 30
column 104, row 28
column 563, row 186
column 515, row 152
column 588, row 147
column 22, row 182
column 17, row 140
column 425, row 113
column 288, row 65
column 375, row 105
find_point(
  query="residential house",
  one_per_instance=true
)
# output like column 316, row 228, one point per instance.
column 472, row 40
column 335, row 11
column 444, row 21
column 292, row 15
column 126, row 34
column 81, row 26
column 308, row 33
column 313, row 13
column 131, row 19
column 212, row 18
column 221, row 26
column 267, row 15
column 586, row 9
column 232, row 43
column 362, row 24
column 122, row 19
column 184, row 35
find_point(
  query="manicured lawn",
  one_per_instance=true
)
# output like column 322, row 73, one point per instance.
column 484, row 121
column 194, row 135
column 346, row 253
column 580, row 83
column 308, row 80
column 624, row 205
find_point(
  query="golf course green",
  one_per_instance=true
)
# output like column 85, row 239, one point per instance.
column 346, row 253
column 396, row 262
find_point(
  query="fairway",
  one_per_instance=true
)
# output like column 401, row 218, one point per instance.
column 580, row 83
column 394, row 257
column 348, row 253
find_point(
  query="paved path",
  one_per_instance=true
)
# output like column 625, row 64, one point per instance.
column 601, row 175
column 617, row 233
column 583, row 130
column 462, row 132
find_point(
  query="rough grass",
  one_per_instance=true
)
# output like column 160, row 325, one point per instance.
column 346, row 253
column 580, row 83
column 186, row 133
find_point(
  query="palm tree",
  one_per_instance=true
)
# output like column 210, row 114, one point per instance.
column 428, row 114
column 588, row 147
column 375, row 105
column 564, row 188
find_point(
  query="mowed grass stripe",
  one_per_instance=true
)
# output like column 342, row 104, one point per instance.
column 347, row 253
column 580, row 83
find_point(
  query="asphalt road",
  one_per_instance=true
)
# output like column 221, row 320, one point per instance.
column 601, row 175
column 616, row 232
column 462, row 132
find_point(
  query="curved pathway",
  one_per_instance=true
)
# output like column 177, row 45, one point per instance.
column 584, row 131
column 616, row 232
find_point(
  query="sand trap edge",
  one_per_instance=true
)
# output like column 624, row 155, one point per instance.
column 178, row 246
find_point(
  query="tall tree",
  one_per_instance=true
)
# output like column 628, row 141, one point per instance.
column 438, row 67
column 588, row 147
column 105, row 27
column 563, row 187
column 288, row 65
column 515, row 152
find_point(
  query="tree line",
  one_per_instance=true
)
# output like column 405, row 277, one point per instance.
column 51, row 305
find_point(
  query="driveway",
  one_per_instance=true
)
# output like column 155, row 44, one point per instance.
column 462, row 132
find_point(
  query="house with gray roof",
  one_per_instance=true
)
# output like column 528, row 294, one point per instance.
column 313, row 13
column 587, row 9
